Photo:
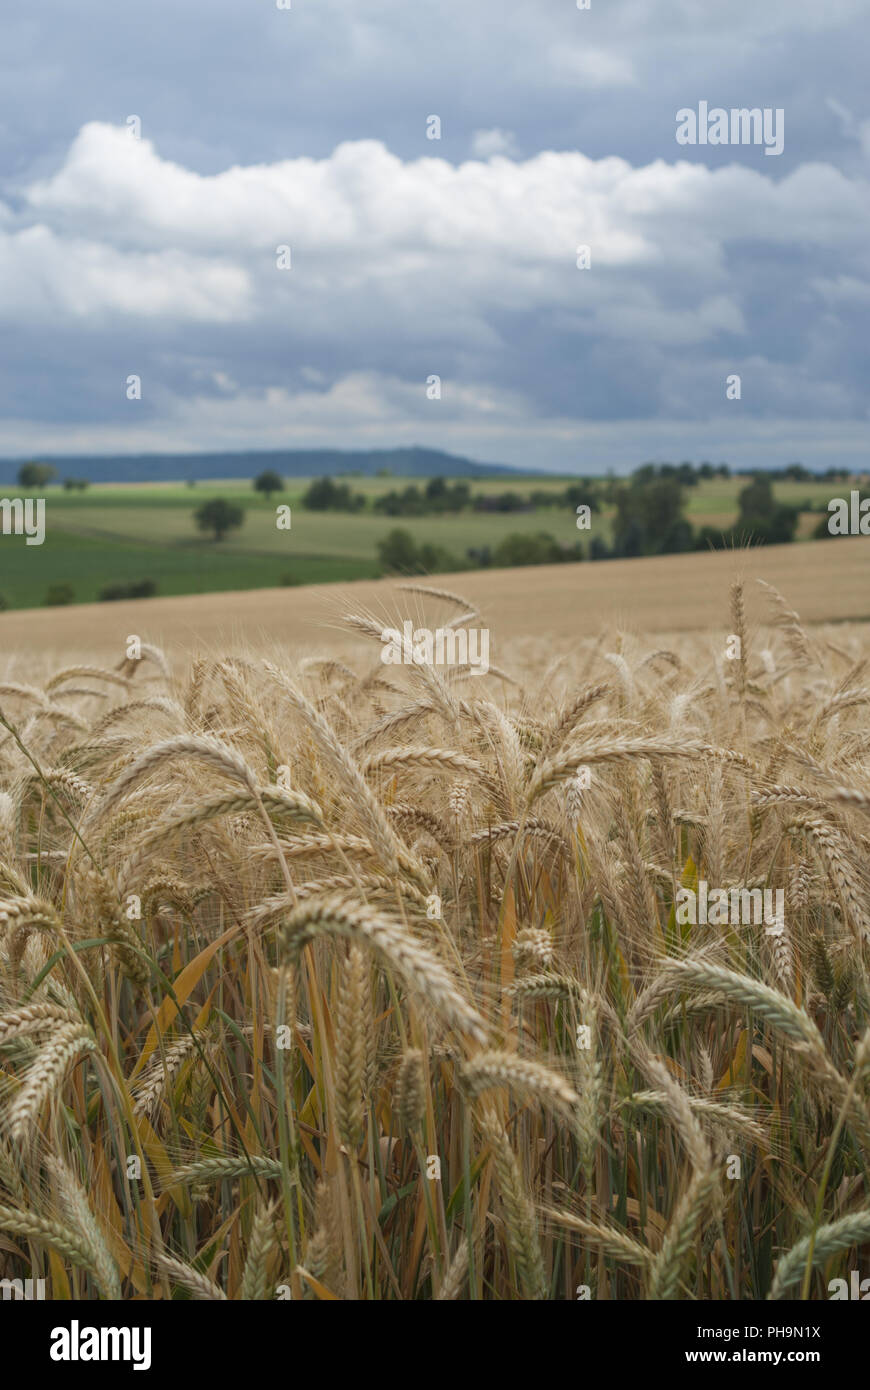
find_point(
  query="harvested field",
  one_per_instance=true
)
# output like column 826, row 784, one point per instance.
column 826, row 581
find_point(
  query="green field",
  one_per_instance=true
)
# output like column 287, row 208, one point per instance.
column 125, row 533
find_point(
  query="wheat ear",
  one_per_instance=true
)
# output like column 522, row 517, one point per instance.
column 202, row 1288
column 413, row 962
column 255, row 1280
column 829, row 1240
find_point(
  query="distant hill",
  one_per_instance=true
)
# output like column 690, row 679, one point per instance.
column 291, row 463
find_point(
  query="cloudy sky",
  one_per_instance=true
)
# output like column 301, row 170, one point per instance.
column 411, row 257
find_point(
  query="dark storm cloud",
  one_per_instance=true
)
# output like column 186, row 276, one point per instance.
column 410, row 257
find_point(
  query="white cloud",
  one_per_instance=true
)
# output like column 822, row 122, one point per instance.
column 361, row 205
column 403, row 267
column 43, row 276
column 486, row 143
column 376, row 240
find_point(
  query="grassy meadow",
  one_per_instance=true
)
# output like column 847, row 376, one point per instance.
column 331, row 980
column 125, row 533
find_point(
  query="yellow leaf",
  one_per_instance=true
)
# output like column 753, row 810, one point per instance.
column 183, row 986
column 690, row 875
column 60, row 1288
column 320, row 1289
column 731, row 1073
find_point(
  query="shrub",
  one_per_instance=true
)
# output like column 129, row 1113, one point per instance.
column 522, row 548
column 481, row 555
column 58, row 595
column 399, row 553
column 711, row 538
column 140, row 588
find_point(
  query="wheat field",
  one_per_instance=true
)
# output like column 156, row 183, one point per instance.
column 326, row 979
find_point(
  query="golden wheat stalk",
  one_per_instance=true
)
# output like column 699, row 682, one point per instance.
column 76, row 1206
column 396, row 947
column 210, row 751
column 519, row 1212
column 553, row 771
column 365, row 803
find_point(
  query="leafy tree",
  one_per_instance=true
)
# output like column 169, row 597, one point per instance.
column 33, row 475
column 763, row 519
column 579, row 495
column 269, row 482
column 409, row 502
column 398, row 551
column 500, row 502
column 756, row 499
column 436, row 490
column 443, row 497
column 218, row 516
column 629, row 542
column 437, row 497
column 648, row 509
column 323, row 495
